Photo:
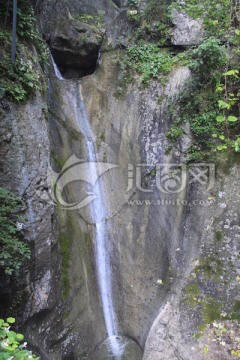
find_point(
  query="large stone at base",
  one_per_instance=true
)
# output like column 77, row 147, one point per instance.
column 76, row 45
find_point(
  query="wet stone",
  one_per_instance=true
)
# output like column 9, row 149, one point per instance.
column 118, row 348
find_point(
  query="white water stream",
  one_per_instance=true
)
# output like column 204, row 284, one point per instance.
column 56, row 70
column 98, row 214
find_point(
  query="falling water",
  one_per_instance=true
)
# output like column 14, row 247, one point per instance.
column 116, row 347
column 56, row 69
column 98, row 213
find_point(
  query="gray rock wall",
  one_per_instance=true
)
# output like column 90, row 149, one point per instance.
column 154, row 235
column 24, row 165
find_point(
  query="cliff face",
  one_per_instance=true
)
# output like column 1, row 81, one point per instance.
column 170, row 245
column 24, row 166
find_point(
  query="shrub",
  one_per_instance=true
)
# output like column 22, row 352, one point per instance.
column 11, row 347
column 19, row 80
column 13, row 250
column 208, row 57
column 148, row 60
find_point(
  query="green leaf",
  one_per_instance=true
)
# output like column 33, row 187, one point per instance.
column 232, row 118
column 219, row 88
column 19, row 337
column 223, row 105
column 220, row 118
column 222, row 137
column 222, row 147
column 11, row 320
column 232, row 73
column 214, row 135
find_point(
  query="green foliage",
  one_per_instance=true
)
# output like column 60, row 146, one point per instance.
column 211, row 310
column 215, row 14
column 20, row 80
column 153, row 22
column 13, row 250
column 26, row 26
column 133, row 3
column 207, row 58
column 209, row 266
column 148, row 60
column 174, row 133
column 11, row 346
column 213, row 112
column 193, row 289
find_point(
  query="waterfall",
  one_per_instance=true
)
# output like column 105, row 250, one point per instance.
column 98, row 214
column 102, row 249
column 117, row 347
column 56, row 69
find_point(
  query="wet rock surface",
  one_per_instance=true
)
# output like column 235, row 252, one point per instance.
column 127, row 349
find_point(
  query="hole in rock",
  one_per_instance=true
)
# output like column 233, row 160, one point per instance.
column 68, row 71
column 75, row 47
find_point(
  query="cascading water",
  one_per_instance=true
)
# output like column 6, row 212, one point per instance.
column 56, row 69
column 115, row 347
column 98, row 214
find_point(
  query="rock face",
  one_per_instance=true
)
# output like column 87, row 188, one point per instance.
column 75, row 46
column 24, row 153
column 171, row 336
column 137, row 233
column 187, row 31
column 155, row 224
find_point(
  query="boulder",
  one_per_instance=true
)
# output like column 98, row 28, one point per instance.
column 187, row 31
column 76, row 45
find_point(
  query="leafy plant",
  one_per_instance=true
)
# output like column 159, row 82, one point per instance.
column 13, row 250
column 175, row 133
column 148, row 60
column 152, row 21
column 215, row 14
column 213, row 112
column 207, row 58
column 18, row 78
column 133, row 3
column 11, row 346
